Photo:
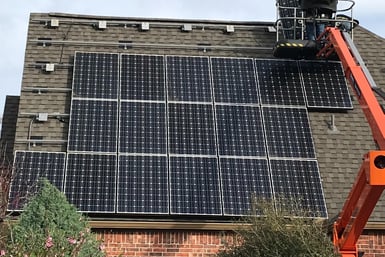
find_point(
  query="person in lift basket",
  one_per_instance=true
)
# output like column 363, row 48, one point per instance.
column 317, row 13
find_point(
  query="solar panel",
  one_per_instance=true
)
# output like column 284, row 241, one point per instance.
column 298, row 182
column 195, row 186
column 243, row 182
column 143, row 128
column 30, row 167
column 240, row 131
column 142, row 77
column 90, row 182
column 96, row 75
column 288, row 132
column 234, row 80
column 93, row 126
column 143, row 185
column 279, row 82
column 188, row 79
column 325, row 85
column 191, row 129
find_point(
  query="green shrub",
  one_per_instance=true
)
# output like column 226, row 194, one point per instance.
column 50, row 226
column 279, row 234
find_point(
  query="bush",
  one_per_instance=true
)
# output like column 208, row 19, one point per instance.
column 50, row 226
column 280, row 233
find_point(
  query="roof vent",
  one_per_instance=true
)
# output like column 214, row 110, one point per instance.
column 230, row 29
column 145, row 26
column 54, row 23
column 187, row 27
column 101, row 25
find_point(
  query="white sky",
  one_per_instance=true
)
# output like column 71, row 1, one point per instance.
column 14, row 16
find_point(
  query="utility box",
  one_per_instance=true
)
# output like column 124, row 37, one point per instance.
column 54, row 23
column 49, row 67
column 144, row 26
column 42, row 116
column 230, row 29
column 187, row 27
column 102, row 25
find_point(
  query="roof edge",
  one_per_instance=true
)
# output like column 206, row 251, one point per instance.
column 172, row 20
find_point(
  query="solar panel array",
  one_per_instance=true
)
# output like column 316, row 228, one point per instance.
column 180, row 135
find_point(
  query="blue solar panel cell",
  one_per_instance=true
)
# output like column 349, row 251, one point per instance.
column 90, row 182
column 325, row 85
column 96, row 75
column 143, row 185
column 30, row 167
column 244, row 181
column 188, row 79
column 194, row 184
column 288, row 132
column 142, row 77
column 191, row 129
column 93, row 126
column 298, row 182
column 143, row 128
column 279, row 82
column 234, row 81
column 240, row 131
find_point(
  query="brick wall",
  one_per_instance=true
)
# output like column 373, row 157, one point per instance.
column 372, row 244
column 163, row 242
column 197, row 243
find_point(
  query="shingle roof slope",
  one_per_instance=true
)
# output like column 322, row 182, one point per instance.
column 339, row 152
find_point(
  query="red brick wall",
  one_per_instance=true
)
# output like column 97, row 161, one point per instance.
column 197, row 243
column 372, row 243
column 163, row 243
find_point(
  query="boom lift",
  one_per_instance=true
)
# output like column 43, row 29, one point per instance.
column 370, row 181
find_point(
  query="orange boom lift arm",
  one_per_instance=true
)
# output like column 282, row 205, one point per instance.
column 370, row 182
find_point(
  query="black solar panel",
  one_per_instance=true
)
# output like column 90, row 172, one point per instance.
column 90, row 182
column 30, row 167
column 279, row 82
column 243, row 182
column 93, row 126
column 325, row 85
column 143, row 185
column 240, row 131
column 188, row 79
column 288, row 132
column 191, row 129
column 143, row 127
column 299, row 181
column 142, row 77
column 96, row 75
column 234, row 80
column 195, row 186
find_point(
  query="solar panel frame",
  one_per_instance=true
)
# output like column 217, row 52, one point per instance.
column 240, row 130
column 49, row 165
column 143, row 82
column 279, row 82
column 228, row 78
column 143, row 185
column 298, row 182
column 195, row 189
column 325, row 85
column 244, row 180
column 101, row 82
column 90, row 182
column 288, row 137
column 93, row 126
column 188, row 79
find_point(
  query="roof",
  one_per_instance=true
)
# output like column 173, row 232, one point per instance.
column 339, row 152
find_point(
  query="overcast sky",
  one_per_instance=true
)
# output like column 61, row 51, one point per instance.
column 14, row 16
